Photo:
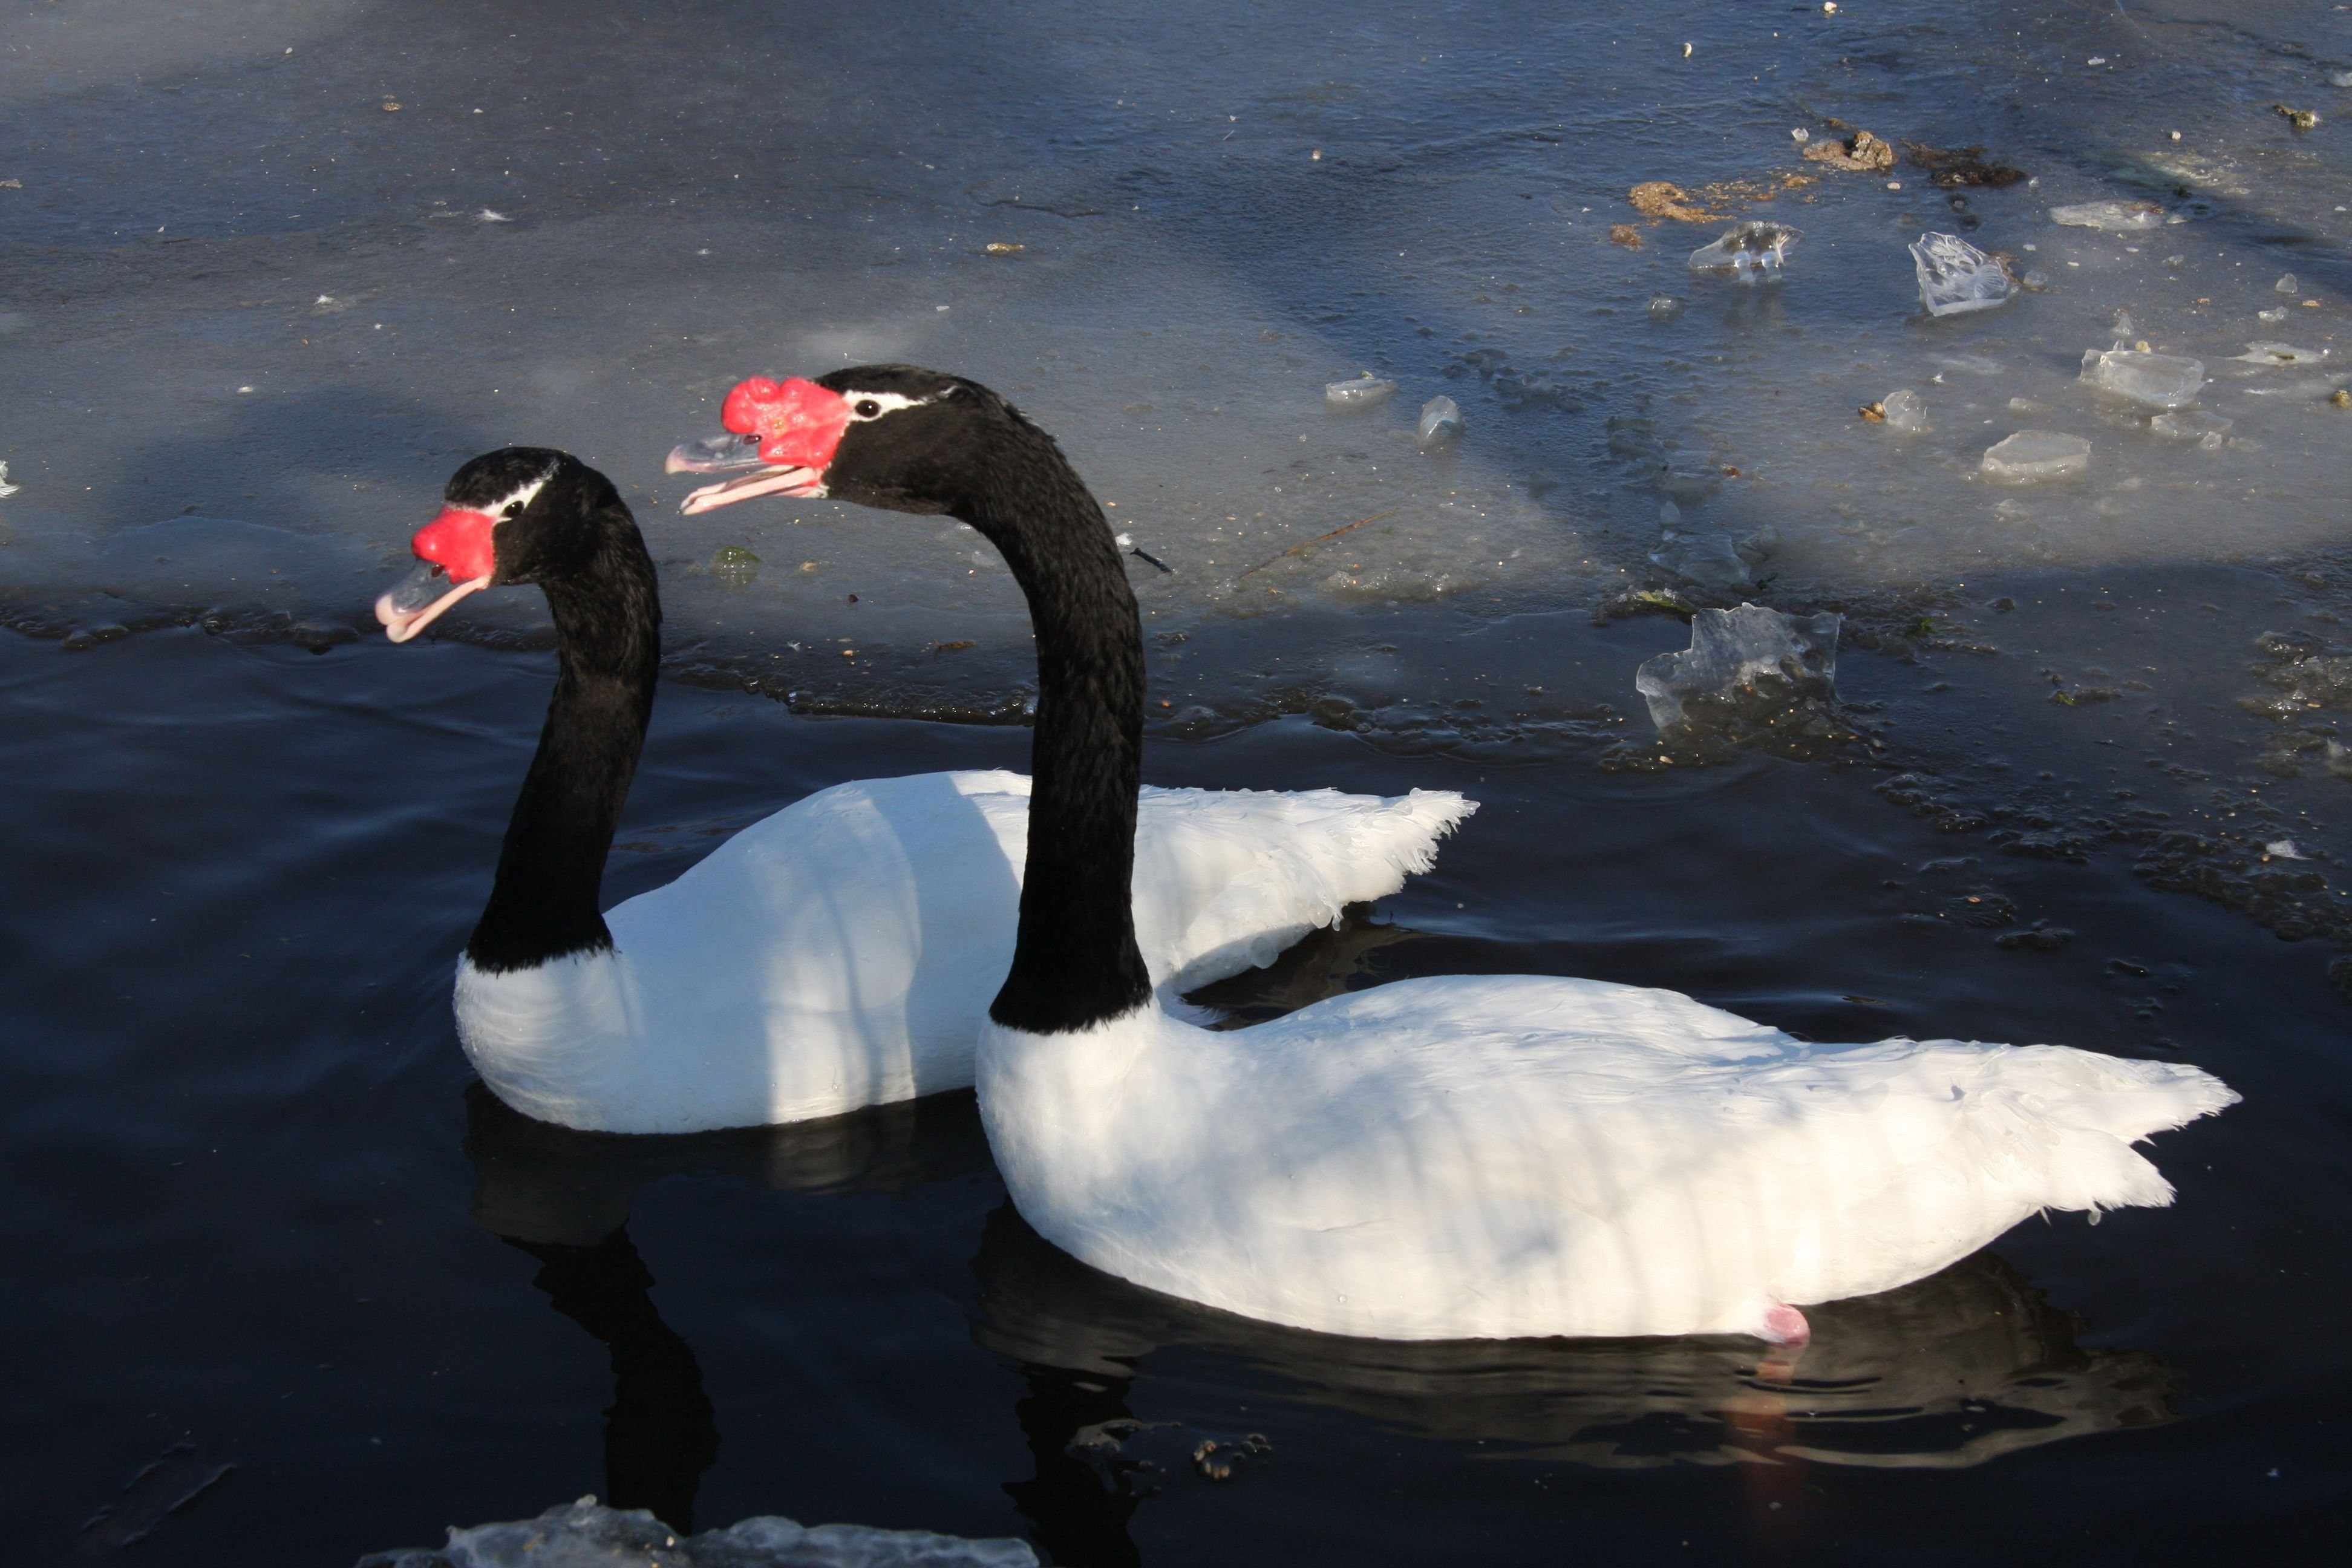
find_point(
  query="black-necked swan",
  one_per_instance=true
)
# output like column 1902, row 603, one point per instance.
column 839, row 954
column 1456, row 1157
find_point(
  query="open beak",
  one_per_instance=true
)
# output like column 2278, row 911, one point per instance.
column 419, row 599
column 782, row 437
column 752, row 475
column 455, row 557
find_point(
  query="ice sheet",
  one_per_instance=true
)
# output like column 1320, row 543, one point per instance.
column 1138, row 249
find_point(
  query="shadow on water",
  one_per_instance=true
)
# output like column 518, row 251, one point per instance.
column 1950, row 1371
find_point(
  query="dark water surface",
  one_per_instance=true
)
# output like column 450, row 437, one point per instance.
column 255, row 1206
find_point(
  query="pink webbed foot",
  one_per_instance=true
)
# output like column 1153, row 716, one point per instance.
column 1784, row 1329
column 1785, row 1326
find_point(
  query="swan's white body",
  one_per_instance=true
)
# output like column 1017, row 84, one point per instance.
column 1493, row 1157
column 843, row 951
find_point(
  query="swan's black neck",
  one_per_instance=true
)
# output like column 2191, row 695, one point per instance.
column 1075, row 962
column 607, row 613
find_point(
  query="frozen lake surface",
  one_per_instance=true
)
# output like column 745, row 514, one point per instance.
column 270, row 270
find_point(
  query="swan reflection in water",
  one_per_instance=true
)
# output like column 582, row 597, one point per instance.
column 564, row 1197
column 1951, row 1371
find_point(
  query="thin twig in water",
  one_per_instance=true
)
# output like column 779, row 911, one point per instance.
column 1141, row 553
column 1318, row 539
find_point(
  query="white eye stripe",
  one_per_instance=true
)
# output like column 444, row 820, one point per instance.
column 518, row 498
column 882, row 402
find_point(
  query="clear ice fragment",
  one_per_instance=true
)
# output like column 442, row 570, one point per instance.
column 2286, row 285
column 1664, row 307
column 2031, row 455
column 1906, row 411
column 1752, row 251
column 2278, row 356
column 1440, row 420
column 6, row 487
column 1956, row 278
column 2036, row 279
column 1707, row 556
column 585, row 1535
column 2156, row 380
column 1747, row 672
column 2120, row 218
column 2274, row 315
column 2210, row 431
column 1361, row 393
column 734, row 564
column 1687, row 485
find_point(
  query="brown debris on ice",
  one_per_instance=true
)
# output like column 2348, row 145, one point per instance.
column 1954, row 166
column 1862, row 153
column 1710, row 203
column 1656, row 198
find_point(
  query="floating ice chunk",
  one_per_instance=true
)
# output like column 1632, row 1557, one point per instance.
column 2284, row 850
column 2278, row 356
column 6, row 487
column 1440, row 420
column 2035, row 281
column 1361, row 393
column 2339, row 78
column 2034, row 454
column 584, row 1535
column 2210, row 431
column 2123, row 325
column 2286, row 285
column 1664, row 307
column 1906, row 411
column 734, row 564
column 1800, row 135
column 1707, row 556
column 2274, row 315
column 1751, row 251
column 1686, row 485
column 2294, row 389
column 1746, row 672
column 2123, row 217
column 2158, row 380
column 1956, row 278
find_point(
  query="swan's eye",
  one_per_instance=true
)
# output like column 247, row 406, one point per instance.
column 439, row 570
column 867, row 408
column 514, row 509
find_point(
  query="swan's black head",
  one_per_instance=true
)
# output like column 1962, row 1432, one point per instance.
column 520, row 514
column 890, row 436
